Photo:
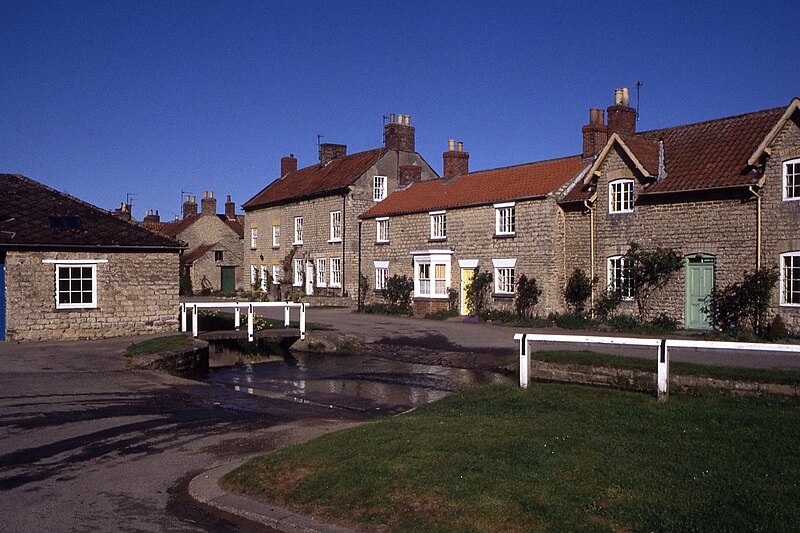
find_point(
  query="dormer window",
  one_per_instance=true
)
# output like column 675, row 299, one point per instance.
column 791, row 179
column 620, row 196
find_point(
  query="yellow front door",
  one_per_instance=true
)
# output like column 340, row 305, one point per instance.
column 466, row 278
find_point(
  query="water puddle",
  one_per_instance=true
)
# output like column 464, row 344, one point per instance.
column 350, row 382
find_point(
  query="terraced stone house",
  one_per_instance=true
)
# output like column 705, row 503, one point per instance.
column 301, row 230
column 725, row 193
column 70, row 270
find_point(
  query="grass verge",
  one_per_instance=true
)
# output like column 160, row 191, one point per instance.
column 552, row 458
column 157, row 345
column 760, row 375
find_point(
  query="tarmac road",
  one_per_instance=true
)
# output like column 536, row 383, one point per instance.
column 88, row 445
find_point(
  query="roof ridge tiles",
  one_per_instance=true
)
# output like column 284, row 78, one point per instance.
column 712, row 120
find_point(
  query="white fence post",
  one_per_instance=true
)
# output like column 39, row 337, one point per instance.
column 194, row 321
column 302, row 321
column 663, row 371
column 183, row 317
column 250, row 320
column 237, row 318
column 286, row 317
column 524, row 362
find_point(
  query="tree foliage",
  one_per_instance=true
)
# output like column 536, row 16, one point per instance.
column 527, row 297
column 477, row 290
column 652, row 269
column 743, row 305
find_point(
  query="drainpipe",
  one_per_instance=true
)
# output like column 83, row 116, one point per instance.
column 758, row 226
column 344, row 238
column 358, row 284
column 587, row 205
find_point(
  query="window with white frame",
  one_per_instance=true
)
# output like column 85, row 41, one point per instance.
column 790, row 278
column 791, row 179
column 276, row 274
column 276, row 236
column 253, row 237
column 505, row 275
column 253, row 274
column 505, row 219
column 620, row 196
column 438, row 225
column 381, row 274
column 264, row 274
column 336, row 271
column 76, row 286
column 620, row 276
column 298, row 230
column 431, row 275
column 321, row 272
column 298, row 272
column 382, row 227
column 336, row 226
column 379, row 188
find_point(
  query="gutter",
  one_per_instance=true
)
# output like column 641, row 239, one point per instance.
column 89, row 248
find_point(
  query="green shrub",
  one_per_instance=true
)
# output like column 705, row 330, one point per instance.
column 398, row 291
column 385, row 309
column 452, row 299
column 625, row 323
column 577, row 290
column 527, row 296
column 743, row 305
column 606, row 305
column 363, row 288
column 477, row 291
column 185, row 287
column 665, row 323
column 652, row 269
column 777, row 329
column 442, row 315
column 496, row 315
column 573, row 320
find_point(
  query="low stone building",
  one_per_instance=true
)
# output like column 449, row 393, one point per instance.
column 725, row 193
column 439, row 233
column 302, row 229
column 70, row 270
column 213, row 257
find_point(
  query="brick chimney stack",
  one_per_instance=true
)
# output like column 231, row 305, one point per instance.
column 399, row 133
column 621, row 116
column 456, row 160
column 230, row 209
column 123, row 211
column 595, row 133
column 208, row 205
column 151, row 216
column 288, row 164
column 189, row 206
column 328, row 152
column 409, row 173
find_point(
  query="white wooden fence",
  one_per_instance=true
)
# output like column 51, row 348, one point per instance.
column 662, row 345
column 194, row 307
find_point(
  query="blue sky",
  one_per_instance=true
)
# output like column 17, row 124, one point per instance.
column 101, row 99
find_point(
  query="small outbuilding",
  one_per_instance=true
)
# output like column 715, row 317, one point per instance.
column 70, row 270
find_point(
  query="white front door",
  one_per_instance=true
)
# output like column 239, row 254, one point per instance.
column 309, row 277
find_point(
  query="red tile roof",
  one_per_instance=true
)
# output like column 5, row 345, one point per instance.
column 32, row 214
column 528, row 180
column 316, row 180
column 176, row 227
column 705, row 155
column 196, row 254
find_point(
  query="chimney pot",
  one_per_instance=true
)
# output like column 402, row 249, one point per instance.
column 391, row 118
column 460, row 146
column 408, row 120
column 452, row 144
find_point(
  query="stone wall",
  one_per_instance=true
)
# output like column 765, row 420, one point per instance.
column 781, row 219
column 208, row 269
column 316, row 215
column 537, row 247
column 137, row 293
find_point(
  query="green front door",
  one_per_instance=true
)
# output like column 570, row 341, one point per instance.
column 699, row 284
column 228, row 282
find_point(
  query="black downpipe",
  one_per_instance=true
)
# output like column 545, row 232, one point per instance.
column 360, row 303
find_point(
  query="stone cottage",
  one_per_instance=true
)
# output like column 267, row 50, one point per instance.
column 301, row 231
column 506, row 221
column 70, row 270
column 724, row 192
column 213, row 258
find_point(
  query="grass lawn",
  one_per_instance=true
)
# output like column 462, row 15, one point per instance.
column 159, row 344
column 552, row 458
column 787, row 377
